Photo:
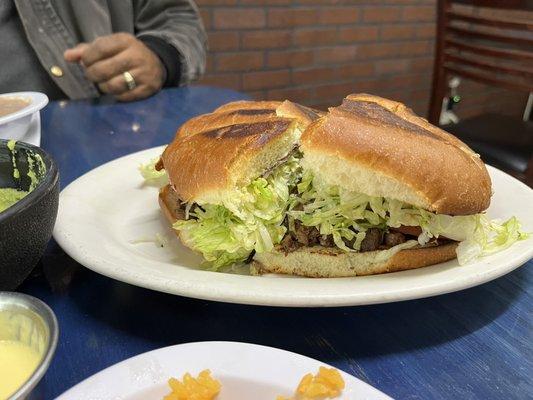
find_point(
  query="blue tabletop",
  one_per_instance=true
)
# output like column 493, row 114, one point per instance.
column 473, row 344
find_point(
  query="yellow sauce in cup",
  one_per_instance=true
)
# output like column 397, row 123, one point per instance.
column 21, row 350
column 17, row 363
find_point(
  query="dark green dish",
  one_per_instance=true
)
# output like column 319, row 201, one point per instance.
column 26, row 227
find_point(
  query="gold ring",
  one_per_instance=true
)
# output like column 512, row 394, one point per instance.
column 130, row 80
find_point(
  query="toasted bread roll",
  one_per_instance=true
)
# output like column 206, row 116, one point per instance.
column 331, row 262
column 380, row 147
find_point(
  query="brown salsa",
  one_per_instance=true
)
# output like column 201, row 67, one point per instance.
column 9, row 105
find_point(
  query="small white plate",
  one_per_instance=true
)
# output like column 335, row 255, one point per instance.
column 246, row 372
column 24, row 125
column 108, row 221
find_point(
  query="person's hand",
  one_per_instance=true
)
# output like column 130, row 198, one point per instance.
column 108, row 57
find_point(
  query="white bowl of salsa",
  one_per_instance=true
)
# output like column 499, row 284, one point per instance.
column 19, row 116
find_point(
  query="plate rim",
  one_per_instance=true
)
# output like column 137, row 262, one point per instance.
column 339, row 300
column 71, row 393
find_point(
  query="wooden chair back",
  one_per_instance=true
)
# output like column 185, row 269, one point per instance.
column 475, row 42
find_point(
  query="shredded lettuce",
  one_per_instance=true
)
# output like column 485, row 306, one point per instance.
column 250, row 219
column 153, row 176
column 333, row 211
column 384, row 255
column 347, row 215
column 489, row 237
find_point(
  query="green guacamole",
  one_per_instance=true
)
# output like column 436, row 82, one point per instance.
column 36, row 167
column 9, row 196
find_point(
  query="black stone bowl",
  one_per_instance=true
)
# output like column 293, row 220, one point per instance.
column 25, row 227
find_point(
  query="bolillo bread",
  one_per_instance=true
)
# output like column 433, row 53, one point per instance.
column 358, row 146
column 248, row 112
column 238, row 112
column 368, row 144
column 238, row 142
column 324, row 262
column 380, row 147
column 230, row 157
column 248, row 105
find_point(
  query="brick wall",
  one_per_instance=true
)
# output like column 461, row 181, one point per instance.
column 317, row 51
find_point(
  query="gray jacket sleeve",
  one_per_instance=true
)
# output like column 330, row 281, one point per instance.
column 178, row 23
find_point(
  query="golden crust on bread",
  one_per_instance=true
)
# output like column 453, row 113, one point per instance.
column 216, row 152
column 304, row 115
column 216, row 120
column 326, row 262
column 204, row 167
column 381, row 148
column 248, row 104
column 247, row 112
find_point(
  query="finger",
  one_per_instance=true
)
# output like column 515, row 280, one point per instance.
column 140, row 92
column 74, row 54
column 104, row 70
column 146, row 86
column 106, row 47
column 116, row 85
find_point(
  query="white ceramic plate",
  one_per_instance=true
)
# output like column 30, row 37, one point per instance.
column 246, row 371
column 108, row 220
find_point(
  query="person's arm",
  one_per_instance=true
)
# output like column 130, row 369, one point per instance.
column 168, row 50
column 164, row 25
column 108, row 59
